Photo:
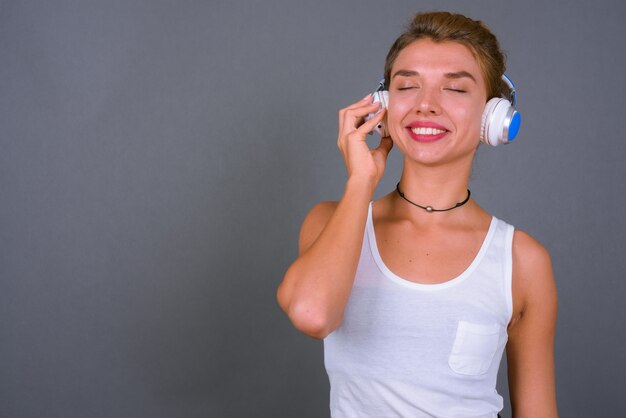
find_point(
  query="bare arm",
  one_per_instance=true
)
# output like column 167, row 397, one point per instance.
column 530, row 350
column 317, row 285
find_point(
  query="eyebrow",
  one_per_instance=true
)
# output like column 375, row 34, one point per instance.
column 460, row 74
column 453, row 75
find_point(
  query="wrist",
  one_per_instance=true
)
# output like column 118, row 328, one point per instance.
column 361, row 186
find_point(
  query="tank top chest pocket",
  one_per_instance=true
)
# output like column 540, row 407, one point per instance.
column 474, row 347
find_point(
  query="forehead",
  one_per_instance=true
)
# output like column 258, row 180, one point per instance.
column 428, row 57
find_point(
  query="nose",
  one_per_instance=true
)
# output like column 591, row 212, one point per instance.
column 427, row 102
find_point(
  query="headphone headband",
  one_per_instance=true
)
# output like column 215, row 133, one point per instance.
column 511, row 87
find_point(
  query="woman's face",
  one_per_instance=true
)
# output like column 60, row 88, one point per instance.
column 437, row 94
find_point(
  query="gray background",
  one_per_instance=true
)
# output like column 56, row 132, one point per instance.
column 158, row 157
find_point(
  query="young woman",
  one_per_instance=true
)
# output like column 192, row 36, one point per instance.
column 417, row 294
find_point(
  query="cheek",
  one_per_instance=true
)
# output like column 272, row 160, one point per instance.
column 396, row 110
column 470, row 117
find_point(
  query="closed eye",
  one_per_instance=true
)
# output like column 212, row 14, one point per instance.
column 456, row 90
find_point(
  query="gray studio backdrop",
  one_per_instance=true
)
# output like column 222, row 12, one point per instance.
column 158, row 157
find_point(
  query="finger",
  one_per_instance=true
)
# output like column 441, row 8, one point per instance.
column 363, row 105
column 381, row 153
column 363, row 102
column 369, row 125
column 354, row 117
column 359, row 129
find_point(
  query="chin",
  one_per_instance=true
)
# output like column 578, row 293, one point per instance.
column 437, row 156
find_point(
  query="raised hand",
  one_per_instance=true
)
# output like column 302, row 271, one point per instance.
column 361, row 161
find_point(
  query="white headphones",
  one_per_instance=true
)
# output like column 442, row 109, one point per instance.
column 380, row 95
column 500, row 121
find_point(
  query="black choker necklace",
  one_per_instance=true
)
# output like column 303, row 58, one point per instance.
column 430, row 208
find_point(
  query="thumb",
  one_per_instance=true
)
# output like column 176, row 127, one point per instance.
column 386, row 143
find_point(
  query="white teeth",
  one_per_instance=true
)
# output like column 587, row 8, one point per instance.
column 427, row 131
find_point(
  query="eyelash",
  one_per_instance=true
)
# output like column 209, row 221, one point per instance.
column 449, row 89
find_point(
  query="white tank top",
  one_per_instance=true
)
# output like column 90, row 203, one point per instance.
column 406, row 349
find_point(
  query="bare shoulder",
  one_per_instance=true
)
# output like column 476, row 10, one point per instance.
column 529, row 253
column 533, row 279
column 530, row 347
column 314, row 223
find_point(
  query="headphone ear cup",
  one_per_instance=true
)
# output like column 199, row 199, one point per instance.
column 496, row 119
column 382, row 97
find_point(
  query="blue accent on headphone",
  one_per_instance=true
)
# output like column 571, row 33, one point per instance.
column 514, row 126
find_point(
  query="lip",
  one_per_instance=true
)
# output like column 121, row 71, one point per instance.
column 426, row 124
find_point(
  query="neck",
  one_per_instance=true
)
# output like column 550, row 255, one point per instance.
column 439, row 187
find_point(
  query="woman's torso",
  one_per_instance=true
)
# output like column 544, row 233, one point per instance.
column 406, row 348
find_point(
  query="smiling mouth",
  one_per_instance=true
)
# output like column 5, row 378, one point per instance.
column 427, row 131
